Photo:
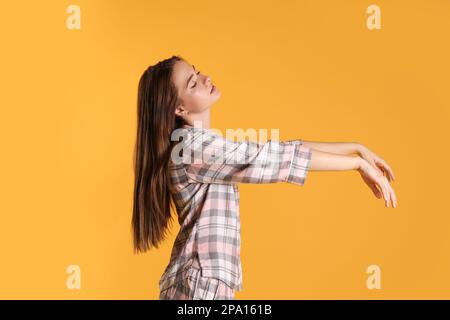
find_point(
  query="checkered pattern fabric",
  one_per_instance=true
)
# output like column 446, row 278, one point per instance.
column 194, row 286
column 206, row 196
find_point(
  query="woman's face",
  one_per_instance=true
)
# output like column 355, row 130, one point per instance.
column 195, row 90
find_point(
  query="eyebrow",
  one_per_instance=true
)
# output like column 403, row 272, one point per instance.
column 189, row 79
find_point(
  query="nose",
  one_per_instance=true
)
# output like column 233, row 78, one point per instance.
column 207, row 79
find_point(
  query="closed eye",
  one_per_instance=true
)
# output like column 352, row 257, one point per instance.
column 195, row 83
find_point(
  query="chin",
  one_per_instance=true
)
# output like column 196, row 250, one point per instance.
column 217, row 96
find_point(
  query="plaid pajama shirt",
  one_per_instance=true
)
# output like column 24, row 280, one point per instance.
column 206, row 198
column 193, row 286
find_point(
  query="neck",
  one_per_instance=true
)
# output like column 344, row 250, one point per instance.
column 203, row 118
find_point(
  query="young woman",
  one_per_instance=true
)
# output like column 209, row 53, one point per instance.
column 173, row 97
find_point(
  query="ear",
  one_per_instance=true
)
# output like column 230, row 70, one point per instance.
column 180, row 111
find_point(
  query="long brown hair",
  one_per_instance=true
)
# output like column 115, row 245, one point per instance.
column 156, row 119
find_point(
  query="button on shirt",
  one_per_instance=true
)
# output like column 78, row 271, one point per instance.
column 203, row 184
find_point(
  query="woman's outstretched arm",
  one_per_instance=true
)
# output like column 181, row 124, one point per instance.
column 353, row 148
column 209, row 158
column 323, row 161
column 373, row 177
column 334, row 147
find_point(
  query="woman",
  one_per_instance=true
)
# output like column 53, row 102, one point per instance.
column 173, row 97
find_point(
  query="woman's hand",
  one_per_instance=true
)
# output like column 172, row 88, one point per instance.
column 376, row 181
column 375, row 161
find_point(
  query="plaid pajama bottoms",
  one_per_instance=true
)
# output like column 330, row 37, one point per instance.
column 195, row 287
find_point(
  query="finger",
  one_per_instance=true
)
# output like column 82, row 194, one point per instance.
column 391, row 172
column 383, row 190
column 386, row 188
column 375, row 190
column 389, row 175
column 379, row 179
column 377, row 168
column 387, row 169
column 382, row 169
column 394, row 197
column 379, row 194
column 388, row 200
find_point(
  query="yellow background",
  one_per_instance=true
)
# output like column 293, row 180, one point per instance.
column 312, row 69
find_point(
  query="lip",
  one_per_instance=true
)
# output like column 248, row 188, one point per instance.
column 212, row 89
